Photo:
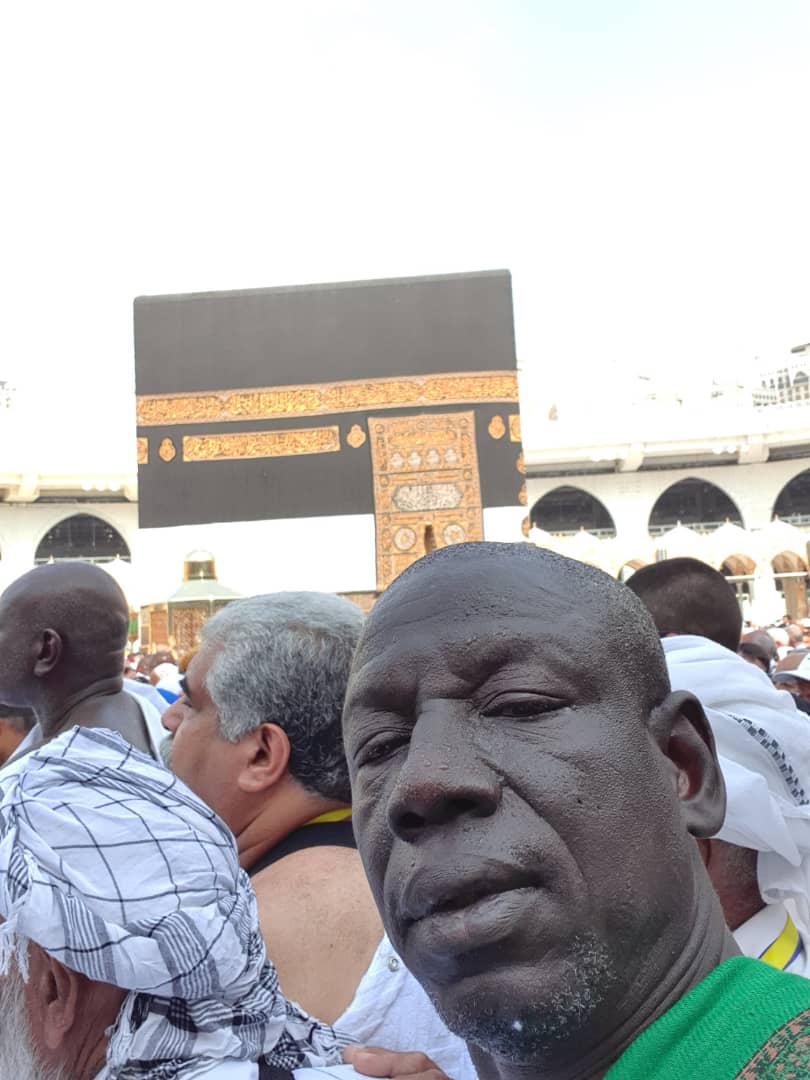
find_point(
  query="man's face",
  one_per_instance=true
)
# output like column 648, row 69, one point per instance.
column 195, row 750
column 511, row 806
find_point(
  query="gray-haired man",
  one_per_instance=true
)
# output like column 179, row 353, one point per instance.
column 257, row 735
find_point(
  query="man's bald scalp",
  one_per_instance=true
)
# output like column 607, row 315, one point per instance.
column 615, row 615
column 81, row 602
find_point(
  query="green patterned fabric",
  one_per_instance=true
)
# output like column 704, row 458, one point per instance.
column 744, row 1021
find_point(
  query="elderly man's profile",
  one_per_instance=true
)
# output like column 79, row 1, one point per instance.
column 526, row 796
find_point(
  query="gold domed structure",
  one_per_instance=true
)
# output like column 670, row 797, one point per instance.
column 179, row 621
column 199, row 565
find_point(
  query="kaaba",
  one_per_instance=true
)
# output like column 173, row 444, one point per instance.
column 396, row 398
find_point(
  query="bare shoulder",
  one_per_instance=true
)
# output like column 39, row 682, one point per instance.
column 325, row 883
column 339, row 867
column 118, row 712
column 320, row 925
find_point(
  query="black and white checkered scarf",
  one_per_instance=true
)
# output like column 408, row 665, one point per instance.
column 115, row 868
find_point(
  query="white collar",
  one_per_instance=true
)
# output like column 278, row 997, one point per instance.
column 760, row 931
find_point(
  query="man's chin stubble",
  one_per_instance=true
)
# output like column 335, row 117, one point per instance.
column 537, row 1029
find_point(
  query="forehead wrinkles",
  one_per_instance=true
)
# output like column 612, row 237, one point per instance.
column 486, row 599
column 487, row 592
column 458, row 659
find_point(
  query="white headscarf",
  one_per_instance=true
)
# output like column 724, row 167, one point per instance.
column 763, row 743
column 116, row 869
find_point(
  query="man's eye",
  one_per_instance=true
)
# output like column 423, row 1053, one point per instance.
column 375, row 752
column 521, row 708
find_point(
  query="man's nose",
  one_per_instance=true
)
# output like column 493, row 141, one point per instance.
column 172, row 716
column 440, row 783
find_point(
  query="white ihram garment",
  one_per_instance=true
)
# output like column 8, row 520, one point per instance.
column 763, row 745
column 767, row 930
column 391, row 1009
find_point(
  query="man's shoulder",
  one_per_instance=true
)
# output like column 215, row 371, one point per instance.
column 320, row 925
column 786, row 1053
column 736, row 1024
column 309, row 864
column 325, row 882
column 122, row 712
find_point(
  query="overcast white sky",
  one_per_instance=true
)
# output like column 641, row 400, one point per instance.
column 641, row 166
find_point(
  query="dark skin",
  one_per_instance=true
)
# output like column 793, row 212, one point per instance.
column 733, row 873
column 513, row 792
column 62, row 642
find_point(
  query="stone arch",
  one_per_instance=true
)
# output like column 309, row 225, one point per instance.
column 565, row 510
column 740, row 571
column 793, row 501
column 790, row 577
column 698, row 504
column 738, row 565
column 82, row 536
column 788, row 562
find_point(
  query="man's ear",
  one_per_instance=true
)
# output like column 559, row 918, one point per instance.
column 684, row 736
column 48, row 653
column 52, row 994
column 269, row 757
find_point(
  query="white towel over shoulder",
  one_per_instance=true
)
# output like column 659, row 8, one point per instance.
column 763, row 743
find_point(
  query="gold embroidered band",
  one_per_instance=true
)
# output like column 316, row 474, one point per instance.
column 266, row 403
column 260, row 444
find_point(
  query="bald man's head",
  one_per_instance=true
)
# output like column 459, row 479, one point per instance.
column 65, row 622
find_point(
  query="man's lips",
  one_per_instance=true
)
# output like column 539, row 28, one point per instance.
column 434, row 891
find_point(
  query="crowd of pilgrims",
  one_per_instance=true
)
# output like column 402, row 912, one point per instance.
column 522, row 820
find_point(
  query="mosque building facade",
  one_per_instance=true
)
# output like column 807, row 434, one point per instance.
column 721, row 474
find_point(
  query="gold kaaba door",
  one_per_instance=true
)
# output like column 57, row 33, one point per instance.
column 427, row 491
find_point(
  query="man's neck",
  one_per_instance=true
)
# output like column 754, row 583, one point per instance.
column 279, row 816
column 709, row 946
column 58, row 713
column 87, row 1052
column 96, row 1058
